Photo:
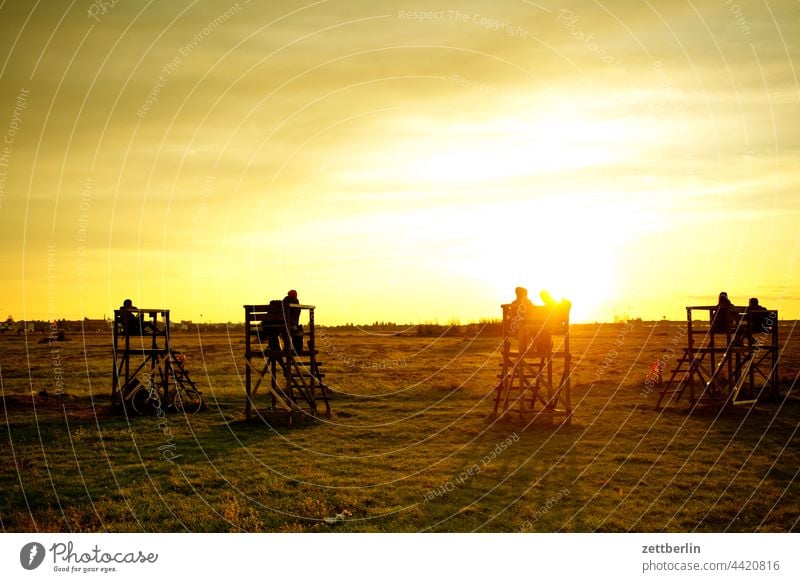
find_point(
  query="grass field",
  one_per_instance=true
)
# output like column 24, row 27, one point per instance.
column 410, row 446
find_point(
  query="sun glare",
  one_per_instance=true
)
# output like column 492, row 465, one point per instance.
column 540, row 244
column 530, row 198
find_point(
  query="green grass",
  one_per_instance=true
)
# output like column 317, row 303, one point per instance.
column 402, row 430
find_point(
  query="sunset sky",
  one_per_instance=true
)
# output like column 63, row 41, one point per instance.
column 402, row 161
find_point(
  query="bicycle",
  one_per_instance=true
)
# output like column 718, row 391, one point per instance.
column 147, row 399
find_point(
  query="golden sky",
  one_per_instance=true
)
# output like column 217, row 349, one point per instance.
column 400, row 161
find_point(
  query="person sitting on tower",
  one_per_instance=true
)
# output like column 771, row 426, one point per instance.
column 519, row 310
column 132, row 324
column 560, row 309
column 272, row 325
column 720, row 318
column 557, row 311
column 756, row 320
column 292, row 319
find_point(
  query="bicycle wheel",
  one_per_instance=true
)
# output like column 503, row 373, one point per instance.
column 187, row 400
column 138, row 400
column 133, row 396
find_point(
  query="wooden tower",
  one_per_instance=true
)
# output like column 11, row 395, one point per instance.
column 534, row 381
column 148, row 374
column 731, row 358
column 277, row 358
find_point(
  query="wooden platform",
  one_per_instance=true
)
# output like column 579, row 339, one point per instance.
column 734, row 363
column 156, row 373
column 287, row 373
column 534, row 384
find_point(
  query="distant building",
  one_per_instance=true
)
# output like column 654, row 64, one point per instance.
column 96, row 325
column 85, row 325
column 32, row 326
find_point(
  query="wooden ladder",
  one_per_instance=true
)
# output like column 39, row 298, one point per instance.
column 521, row 377
column 685, row 369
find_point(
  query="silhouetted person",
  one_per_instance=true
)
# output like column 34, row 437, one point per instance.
column 521, row 308
column 560, row 309
column 291, row 299
column 756, row 320
column 273, row 325
column 521, row 305
column 721, row 319
column 292, row 319
column 131, row 323
column 281, row 321
column 557, row 311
